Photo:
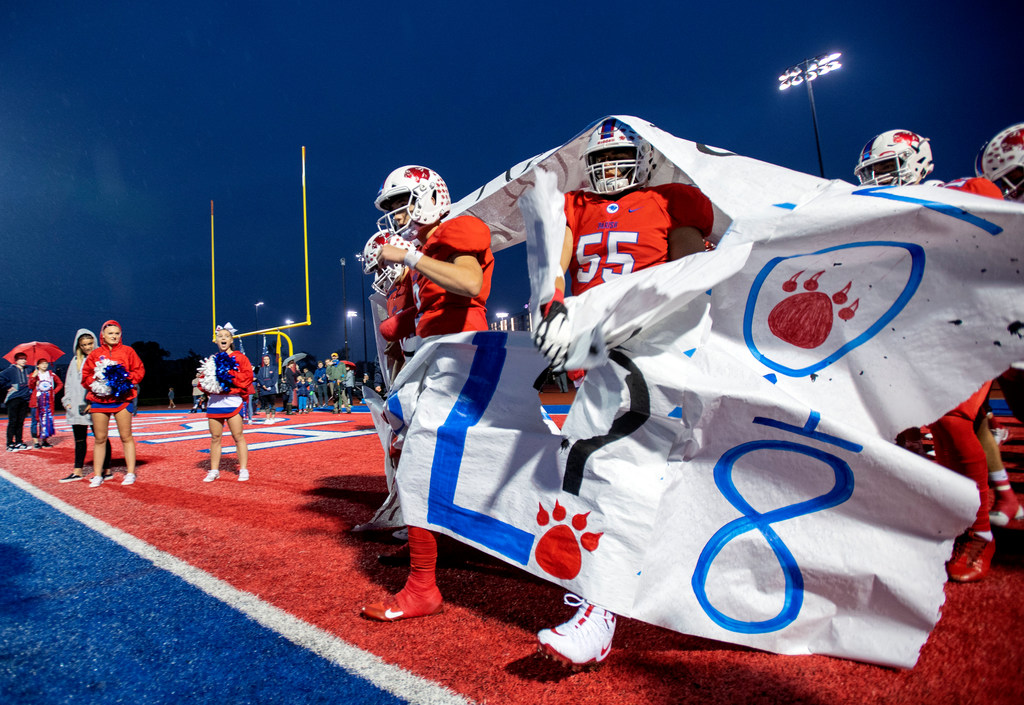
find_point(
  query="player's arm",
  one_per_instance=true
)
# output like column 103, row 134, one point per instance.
column 461, row 274
column 552, row 336
column 684, row 241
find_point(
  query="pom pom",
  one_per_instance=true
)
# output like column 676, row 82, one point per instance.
column 215, row 373
column 111, row 380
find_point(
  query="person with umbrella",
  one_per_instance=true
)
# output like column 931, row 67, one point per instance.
column 14, row 384
column 44, row 385
column 111, row 376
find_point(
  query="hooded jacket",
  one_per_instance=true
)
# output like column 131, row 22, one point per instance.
column 74, row 393
column 121, row 353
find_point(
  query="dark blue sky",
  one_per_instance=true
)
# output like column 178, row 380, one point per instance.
column 121, row 121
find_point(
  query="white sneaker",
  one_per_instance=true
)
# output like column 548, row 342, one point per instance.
column 584, row 640
column 211, row 476
column 243, row 475
column 96, row 481
column 129, row 479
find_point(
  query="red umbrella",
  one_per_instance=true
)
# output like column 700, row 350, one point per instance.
column 36, row 350
column 348, row 364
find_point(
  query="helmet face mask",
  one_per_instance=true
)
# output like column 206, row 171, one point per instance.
column 895, row 158
column 385, row 274
column 428, row 200
column 617, row 158
column 1001, row 161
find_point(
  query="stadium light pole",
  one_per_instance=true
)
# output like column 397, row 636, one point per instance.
column 258, row 304
column 805, row 72
column 362, row 296
column 344, row 307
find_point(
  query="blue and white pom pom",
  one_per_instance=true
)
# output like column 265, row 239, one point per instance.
column 215, row 373
column 111, row 380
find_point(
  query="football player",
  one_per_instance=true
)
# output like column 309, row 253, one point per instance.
column 450, row 278
column 962, row 437
column 618, row 224
column 1001, row 161
column 894, row 158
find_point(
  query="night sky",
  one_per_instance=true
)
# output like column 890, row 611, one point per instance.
column 121, row 121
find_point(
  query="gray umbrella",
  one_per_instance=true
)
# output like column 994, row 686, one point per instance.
column 293, row 358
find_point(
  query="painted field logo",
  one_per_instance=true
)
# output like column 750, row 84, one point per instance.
column 798, row 333
column 558, row 551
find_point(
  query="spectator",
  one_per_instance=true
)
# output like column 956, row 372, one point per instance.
column 350, row 386
column 302, row 388
column 291, row 376
column 266, row 386
column 336, row 381
column 77, row 408
column 170, row 398
column 198, row 397
column 320, row 382
column 44, row 385
column 14, row 383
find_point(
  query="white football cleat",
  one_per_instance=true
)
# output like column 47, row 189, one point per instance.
column 585, row 640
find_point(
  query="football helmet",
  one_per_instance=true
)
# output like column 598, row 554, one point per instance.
column 429, row 200
column 615, row 175
column 385, row 274
column 895, row 158
column 1001, row 161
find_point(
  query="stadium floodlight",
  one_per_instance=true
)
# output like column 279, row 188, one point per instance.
column 805, row 72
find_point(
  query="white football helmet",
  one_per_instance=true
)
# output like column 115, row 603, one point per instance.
column 385, row 275
column 895, row 158
column 1001, row 161
column 429, row 200
column 613, row 176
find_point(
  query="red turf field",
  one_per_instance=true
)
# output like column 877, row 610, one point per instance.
column 284, row 537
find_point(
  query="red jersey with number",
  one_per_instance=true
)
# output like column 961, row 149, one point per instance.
column 441, row 312
column 611, row 238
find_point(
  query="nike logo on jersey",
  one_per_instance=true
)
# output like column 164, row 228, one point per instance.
column 634, row 210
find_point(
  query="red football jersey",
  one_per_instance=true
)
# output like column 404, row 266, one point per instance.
column 611, row 238
column 976, row 184
column 442, row 312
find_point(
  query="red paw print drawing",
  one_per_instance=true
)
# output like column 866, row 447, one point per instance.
column 805, row 319
column 558, row 551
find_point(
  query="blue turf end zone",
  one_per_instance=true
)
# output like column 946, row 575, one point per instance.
column 84, row 620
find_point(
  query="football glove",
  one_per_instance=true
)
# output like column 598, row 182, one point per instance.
column 552, row 336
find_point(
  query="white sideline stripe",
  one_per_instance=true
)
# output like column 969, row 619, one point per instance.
column 389, row 678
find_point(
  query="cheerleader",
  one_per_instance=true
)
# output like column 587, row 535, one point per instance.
column 226, row 376
column 111, row 376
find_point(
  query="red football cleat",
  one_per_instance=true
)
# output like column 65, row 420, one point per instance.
column 971, row 558
column 401, row 607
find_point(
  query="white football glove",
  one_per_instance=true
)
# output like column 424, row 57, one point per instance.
column 552, row 336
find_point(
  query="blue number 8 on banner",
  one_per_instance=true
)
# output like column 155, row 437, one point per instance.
column 754, row 520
